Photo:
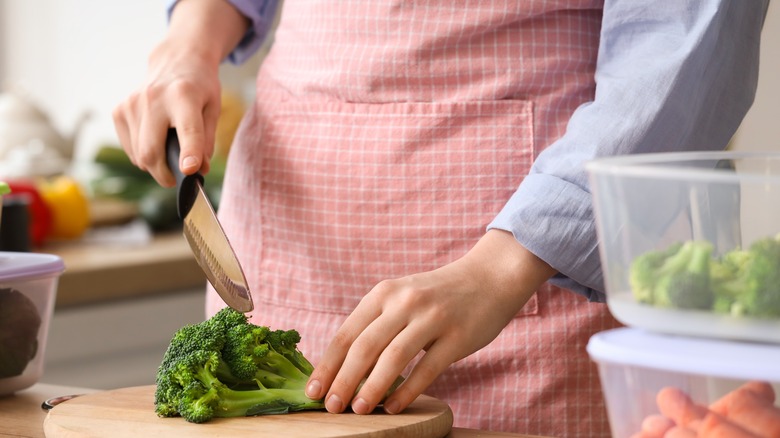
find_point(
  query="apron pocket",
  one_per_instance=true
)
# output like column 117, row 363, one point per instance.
column 355, row 193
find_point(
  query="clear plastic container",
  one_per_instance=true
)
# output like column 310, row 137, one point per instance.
column 648, row 203
column 634, row 365
column 28, row 289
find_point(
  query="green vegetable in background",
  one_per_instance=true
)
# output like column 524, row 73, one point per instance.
column 120, row 178
column 229, row 367
column 19, row 324
column 4, row 189
column 741, row 282
column 158, row 208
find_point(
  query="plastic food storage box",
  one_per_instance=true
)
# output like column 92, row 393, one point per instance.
column 634, row 365
column 28, row 288
column 676, row 239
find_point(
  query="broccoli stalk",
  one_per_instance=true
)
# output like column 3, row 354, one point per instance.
column 258, row 354
column 228, row 367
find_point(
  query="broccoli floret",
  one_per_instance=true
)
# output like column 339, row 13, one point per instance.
column 724, row 273
column 229, row 367
column 762, row 294
column 19, row 325
column 684, row 278
column 676, row 277
column 643, row 273
column 753, row 286
column 259, row 354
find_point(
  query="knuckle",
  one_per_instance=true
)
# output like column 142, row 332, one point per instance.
column 341, row 385
column 145, row 157
column 188, row 129
column 341, row 341
column 147, row 97
column 425, row 372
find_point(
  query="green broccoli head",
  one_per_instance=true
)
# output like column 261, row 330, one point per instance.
column 761, row 279
column 19, row 325
column 643, row 273
column 678, row 276
column 229, row 367
column 684, row 278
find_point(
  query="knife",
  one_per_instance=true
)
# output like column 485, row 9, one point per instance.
column 205, row 235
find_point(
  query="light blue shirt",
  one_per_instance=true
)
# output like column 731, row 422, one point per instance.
column 671, row 75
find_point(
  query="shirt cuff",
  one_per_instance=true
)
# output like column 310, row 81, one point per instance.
column 554, row 220
column 260, row 15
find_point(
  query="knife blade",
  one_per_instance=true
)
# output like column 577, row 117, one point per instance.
column 205, row 235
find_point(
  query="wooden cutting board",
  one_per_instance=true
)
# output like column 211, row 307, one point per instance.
column 129, row 412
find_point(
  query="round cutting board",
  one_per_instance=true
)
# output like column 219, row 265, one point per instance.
column 129, row 412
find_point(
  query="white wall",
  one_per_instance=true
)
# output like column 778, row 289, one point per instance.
column 76, row 55
column 761, row 128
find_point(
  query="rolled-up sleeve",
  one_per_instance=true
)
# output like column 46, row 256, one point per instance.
column 260, row 14
column 671, row 75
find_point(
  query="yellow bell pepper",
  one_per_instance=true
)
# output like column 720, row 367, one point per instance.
column 68, row 204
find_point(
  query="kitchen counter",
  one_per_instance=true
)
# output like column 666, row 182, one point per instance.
column 21, row 414
column 98, row 271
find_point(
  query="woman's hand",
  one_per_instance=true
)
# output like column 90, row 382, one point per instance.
column 449, row 313
column 182, row 90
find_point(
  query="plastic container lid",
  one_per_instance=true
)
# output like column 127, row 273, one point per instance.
column 699, row 356
column 21, row 265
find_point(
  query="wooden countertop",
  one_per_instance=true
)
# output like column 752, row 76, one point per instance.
column 98, row 271
column 21, row 414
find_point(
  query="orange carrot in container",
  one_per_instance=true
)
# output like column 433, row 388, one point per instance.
column 753, row 412
column 656, row 425
column 677, row 406
column 680, row 432
column 762, row 390
column 717, row 426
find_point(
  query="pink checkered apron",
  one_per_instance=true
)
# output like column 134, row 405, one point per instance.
column 385, row 136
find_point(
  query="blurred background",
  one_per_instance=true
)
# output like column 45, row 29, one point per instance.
column 130, row 280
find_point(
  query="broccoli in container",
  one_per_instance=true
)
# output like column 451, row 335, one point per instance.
column 741, row 282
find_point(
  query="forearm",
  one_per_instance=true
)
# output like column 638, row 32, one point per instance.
column 210, row 29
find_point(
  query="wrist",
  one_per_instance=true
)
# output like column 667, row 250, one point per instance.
column 508, row 266
column 208, row 29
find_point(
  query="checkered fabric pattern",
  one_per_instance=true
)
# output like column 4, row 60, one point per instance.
column 385, row 136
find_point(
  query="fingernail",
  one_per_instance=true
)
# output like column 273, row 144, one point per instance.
column 359, row 406
column 392, row 407
column 314, row 389
column 334, row 404
column 189, row 162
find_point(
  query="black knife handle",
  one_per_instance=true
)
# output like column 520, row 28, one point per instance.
column 186, row 185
